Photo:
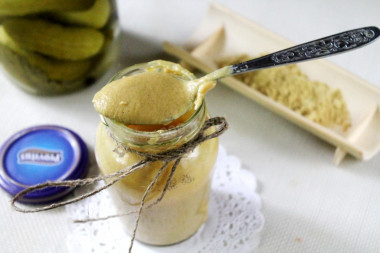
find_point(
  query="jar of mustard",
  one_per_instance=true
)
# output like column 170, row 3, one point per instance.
column 53, row 47
column 184, row 207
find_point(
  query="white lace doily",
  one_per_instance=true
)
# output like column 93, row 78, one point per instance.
column 233, row 225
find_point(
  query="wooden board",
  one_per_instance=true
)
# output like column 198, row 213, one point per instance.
column 224, row 33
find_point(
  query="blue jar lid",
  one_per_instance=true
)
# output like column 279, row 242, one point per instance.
column 39, row 154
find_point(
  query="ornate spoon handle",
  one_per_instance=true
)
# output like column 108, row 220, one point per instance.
column 334, row 44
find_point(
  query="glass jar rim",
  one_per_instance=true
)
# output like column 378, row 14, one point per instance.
column 113, row 123
column 152, row 141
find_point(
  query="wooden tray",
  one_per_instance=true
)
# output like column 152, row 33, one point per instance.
column 225, row 33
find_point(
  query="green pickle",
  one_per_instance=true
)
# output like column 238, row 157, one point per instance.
column 57, row 50
column 96, row 16
column 25, row 7
column 57, row 41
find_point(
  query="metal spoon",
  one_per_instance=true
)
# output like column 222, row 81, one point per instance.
column 173, row 99
column 327, row 46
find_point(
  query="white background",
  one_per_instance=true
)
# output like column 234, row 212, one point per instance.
column 309, row 205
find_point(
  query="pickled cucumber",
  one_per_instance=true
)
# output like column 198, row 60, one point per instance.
column 60, row 70
column 23, row 7
column 33, row 79
column 97, row 16
column 57, row 41
column 7, row 41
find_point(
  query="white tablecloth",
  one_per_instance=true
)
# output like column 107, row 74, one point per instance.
column 309, row 205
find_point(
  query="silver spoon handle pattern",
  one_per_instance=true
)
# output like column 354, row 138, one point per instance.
column 330, row 45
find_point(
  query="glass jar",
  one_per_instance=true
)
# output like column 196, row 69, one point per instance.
column 184, row 207
column 60, row 46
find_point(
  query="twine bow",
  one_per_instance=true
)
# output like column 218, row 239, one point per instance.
column 175, row 155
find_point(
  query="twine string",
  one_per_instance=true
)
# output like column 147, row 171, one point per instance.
column 142, row 203
column 74, row 183
column 168, row 181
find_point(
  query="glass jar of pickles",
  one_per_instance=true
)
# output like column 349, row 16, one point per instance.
column 184, row 207
column 51, row 47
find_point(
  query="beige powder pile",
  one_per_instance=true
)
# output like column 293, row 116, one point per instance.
column 292, row 88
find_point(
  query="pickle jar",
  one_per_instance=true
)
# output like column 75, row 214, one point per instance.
column 53, row 47
column 184, row 207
